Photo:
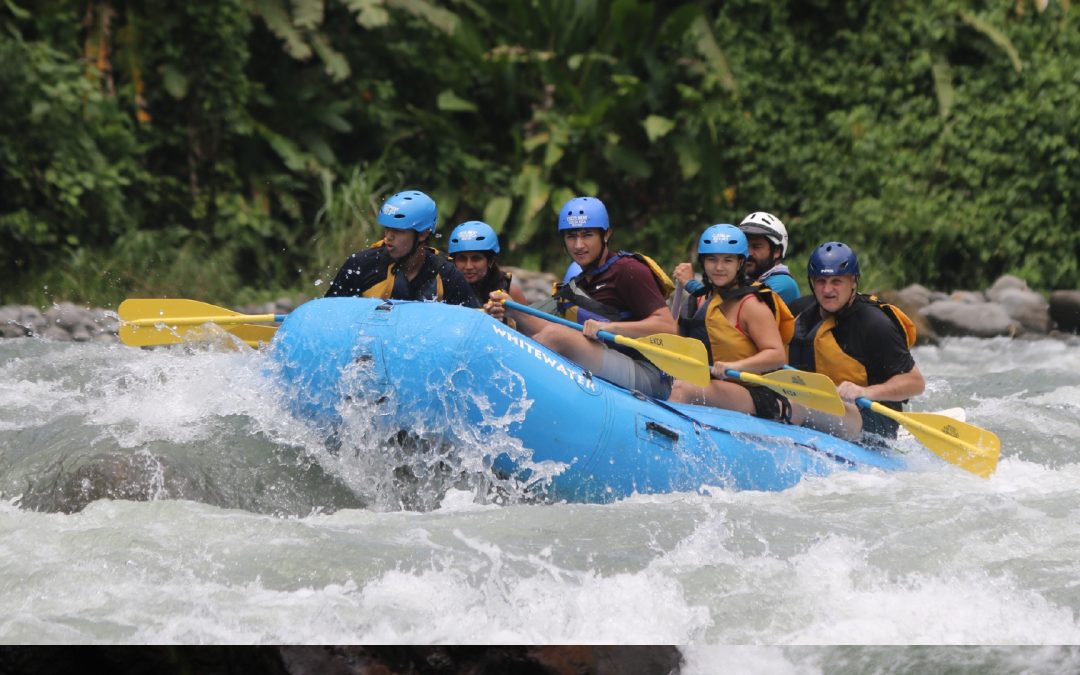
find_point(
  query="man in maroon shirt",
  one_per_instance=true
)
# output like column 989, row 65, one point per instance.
column 616, row 292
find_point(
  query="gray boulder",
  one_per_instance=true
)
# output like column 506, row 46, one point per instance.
column 968, row 297
column 32, row 319
column 913, row 297
column 535, row 285
column 66, row 315
column 1004, row 283
column 1065, row 310
column 1027, row 307
column 9, row 323
column 912, row 300
column 20, row 321
column 56, row 333
column 952, row 317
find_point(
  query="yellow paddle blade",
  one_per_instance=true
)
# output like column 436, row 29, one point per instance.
column 184, row 313
column 147, row 322
column 253, row 334
column 812, row 390
column 134, row 309
column 965, row 445
column 682, row 358
column 162, row 334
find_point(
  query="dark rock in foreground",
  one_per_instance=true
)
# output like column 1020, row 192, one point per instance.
column 1065, row 310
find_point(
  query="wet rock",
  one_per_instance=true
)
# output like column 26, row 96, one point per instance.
column 986, row 319
column 56, row 333
column 1005, row 283
column 82, row 332
column 105, row 322
column 912, row 300
column 968, row 297
column 1065, row 310
column 9, row 323
column 535, row 285
column 65, row 315
column 20, row 321
column 1027, row 307
column 282, row 305
column 913, row 297
column 32, row 319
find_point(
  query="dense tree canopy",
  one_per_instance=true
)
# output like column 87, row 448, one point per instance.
column 235, row 149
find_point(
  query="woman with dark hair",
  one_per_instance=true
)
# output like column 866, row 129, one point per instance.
column 474, row 248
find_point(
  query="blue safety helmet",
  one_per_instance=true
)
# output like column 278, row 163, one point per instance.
column 473, row 236
column 833, row 259
column 409, row 210
column 583, row 212
column 723, row 239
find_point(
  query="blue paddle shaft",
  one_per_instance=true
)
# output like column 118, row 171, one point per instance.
column 603, row 335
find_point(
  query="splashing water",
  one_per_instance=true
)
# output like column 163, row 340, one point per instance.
column 168, row 496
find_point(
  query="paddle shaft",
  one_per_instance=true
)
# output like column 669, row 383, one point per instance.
column 682, row 358
column 758, row 379
column 603, row 334
column 811, row 390
column 676, row 300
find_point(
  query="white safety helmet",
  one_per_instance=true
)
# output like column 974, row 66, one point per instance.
column 760, row 222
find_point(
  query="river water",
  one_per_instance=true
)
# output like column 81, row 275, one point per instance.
column 167, row 496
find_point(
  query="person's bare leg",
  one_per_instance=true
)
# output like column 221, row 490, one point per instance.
column 587, row 353
column 718, row 394
column 848, row 427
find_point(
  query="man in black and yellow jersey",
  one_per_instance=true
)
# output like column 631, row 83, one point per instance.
column 403, row 266
column 862, row 344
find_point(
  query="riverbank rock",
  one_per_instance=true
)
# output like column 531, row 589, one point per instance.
column 1004, row 284
column 958, row 318
column 21, row 321
column 535, row 285
column 282, row 305
column 1028, row 308
column 1065, row 310
column 1007, row 308
column 911, row 300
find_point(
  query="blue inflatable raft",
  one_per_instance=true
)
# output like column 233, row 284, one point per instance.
column 457, row 374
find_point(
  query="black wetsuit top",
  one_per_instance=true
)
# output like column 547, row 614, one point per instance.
column 366, row 268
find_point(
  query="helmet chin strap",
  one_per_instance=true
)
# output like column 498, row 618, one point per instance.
column 603, row 251
column 417, row 243
column 735, row 284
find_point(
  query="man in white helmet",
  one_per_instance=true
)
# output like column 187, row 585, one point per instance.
column 767, row 239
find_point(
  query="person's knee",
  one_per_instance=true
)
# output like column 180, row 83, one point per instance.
column 560, row 339
column 549, row 337
column 684, row 392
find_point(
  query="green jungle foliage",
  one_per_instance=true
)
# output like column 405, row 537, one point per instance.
column 237, row 149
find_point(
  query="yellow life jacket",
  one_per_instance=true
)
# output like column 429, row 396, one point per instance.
column 724, row 340
column 385, row 288
column 831, row 360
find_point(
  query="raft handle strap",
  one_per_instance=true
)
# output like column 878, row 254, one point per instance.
column 670, row 434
